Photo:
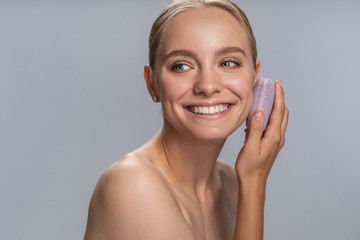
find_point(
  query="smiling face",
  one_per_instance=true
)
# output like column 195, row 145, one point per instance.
column 204, row 74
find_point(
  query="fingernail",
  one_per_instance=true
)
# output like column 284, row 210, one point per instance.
column 279, row 83
column 258, row 115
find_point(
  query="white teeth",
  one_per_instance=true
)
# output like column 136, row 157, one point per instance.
column 209, row 110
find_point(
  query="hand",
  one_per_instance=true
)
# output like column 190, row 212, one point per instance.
column 257, row 156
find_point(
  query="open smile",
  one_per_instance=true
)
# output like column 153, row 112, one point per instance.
column 209, row 110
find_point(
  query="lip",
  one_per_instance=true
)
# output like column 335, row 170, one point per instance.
column 209, row 103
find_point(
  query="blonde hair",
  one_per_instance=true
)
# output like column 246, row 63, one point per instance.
column 177, row 6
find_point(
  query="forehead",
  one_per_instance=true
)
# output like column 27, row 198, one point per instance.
column 204, row 29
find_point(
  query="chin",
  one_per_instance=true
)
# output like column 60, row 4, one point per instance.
column 211, row 134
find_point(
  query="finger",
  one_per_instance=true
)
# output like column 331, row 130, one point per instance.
column 277, row 114
column 284, row 126
column 282, row 140
column 255, row 131
column 272, row 135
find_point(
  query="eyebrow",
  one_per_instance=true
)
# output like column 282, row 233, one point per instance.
column 182, row 52
column 188, row 53
column 230, row 50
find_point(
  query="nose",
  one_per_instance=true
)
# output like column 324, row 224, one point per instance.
column 207, row 83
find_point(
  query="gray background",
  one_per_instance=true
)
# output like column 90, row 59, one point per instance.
column 73, row 101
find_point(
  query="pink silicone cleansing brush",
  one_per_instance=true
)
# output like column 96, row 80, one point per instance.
column 263, row 99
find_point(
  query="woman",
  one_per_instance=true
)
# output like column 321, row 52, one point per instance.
column 202, row 67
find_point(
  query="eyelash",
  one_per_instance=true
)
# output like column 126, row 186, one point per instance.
column 237, row 64
column 176, row 64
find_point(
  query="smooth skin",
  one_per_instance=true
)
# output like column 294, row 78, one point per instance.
column 174, row 186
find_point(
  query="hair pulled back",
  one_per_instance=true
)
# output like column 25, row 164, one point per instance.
column 177, row 6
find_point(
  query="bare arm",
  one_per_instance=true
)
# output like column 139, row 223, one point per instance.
column 253, row 167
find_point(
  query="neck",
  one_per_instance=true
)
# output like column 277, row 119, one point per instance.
column 188, row 163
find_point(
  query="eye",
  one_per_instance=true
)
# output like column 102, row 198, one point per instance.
column 229, row 64
column 180, row 67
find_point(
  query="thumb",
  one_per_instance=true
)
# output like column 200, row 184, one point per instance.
column 255, row 132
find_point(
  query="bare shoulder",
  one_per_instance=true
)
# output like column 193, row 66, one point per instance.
column 229, row 183
column 133, row 173
column 129, row 195
column 228, row 174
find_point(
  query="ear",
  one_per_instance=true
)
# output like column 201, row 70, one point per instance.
column 257, row 71
column 150, row 83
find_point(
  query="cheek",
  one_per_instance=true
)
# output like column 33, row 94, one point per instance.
column 174, row 87
column 241, row 86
